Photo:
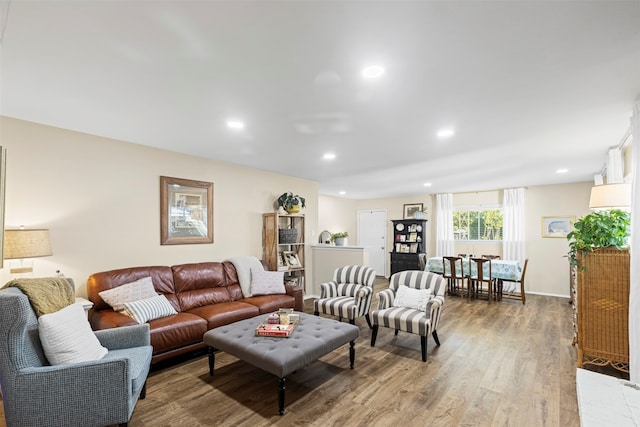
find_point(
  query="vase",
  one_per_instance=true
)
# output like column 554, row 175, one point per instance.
column 419, row 215
column 339, row 241
column 293, row 209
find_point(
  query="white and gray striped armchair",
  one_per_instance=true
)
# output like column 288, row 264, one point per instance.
column 416, row 311
column 349, row 295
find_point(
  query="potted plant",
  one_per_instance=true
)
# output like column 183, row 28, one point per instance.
column 599, row 229
column 338, row 238
column 291, row 203
column 598, row 251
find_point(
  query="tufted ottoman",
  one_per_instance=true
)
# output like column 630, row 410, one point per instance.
column 313, row 338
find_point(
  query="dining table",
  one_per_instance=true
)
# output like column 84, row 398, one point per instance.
column 506, row 270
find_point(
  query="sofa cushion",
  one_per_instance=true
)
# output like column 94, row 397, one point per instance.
column 149, row 308
column 271, row 303
column 266, row 282
column 225, row 313
column 172, row 332
column 134, row 291
column 67, row 338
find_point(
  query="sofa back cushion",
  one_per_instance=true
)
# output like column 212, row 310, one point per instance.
column 200, row 284
column 161, row 276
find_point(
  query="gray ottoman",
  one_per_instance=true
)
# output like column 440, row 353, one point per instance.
column 313, row 338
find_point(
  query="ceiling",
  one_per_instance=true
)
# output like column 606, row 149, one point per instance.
column 528, row 86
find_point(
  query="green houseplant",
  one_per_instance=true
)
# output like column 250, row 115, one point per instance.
column 290, row 202
column 338, row 238
column 599, row 229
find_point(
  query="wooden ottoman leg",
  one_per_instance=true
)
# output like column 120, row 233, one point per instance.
column 352, row 352
column 281, row 387
column 212, row 359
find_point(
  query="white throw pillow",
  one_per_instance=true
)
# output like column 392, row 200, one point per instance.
column 412, row 298
column 134, row 291
column 66, row 336
column 149, row 309
column 267, row 282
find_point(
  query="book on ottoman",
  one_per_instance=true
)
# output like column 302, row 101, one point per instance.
column 274, row 330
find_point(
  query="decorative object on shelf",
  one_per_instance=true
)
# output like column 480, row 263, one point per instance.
column 400, row 227
column 288, row 235
column 557, row 226
column 291, row 259
column 291, row 203
column 325, row 237
column 411, row 209
column 338, row 238
column 186, row 211
column 281, row 211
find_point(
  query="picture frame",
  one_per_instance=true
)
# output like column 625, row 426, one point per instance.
column 557, row 226
column 291, row 259
column 186, row 211
column 411, row 208
column 413, row 237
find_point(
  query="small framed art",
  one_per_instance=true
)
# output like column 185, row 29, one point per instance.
column 411, row 209
column 557, row 226
column 186, row 211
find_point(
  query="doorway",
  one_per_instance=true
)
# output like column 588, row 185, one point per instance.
column 372, row 233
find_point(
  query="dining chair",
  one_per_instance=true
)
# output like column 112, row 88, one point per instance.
column 523, row 297
column 456, row 277
column 478, row 278
column 465, row 255
column 490, row 256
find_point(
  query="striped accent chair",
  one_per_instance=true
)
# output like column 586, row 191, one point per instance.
column 412, row 320
column 349, row 295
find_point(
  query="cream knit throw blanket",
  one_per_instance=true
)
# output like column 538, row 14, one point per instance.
column 46, row 294
column 243, row 265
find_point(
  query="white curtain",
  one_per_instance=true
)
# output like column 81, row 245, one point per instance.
column 444, row 225
column 614, row 166
column 513, row 225
column 634, row 295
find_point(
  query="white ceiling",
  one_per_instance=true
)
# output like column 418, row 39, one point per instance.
column 529, row 86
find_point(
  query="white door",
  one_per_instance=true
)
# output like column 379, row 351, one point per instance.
column 372, row 233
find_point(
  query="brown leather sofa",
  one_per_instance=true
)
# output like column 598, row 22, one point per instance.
column 205, row 295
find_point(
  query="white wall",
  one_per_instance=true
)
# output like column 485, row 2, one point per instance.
column 100, row 200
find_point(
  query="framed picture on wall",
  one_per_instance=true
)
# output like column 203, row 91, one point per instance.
column 186, row 211
column 411, row 209
column 557, row 226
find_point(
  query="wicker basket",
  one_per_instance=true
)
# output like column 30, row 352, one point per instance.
column 603, row 308
column 288, row 235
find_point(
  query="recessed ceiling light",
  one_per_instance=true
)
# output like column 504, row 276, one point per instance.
column 235, row 124
column 562, row 171
column 342, row 193
column 329, row 156
column 372, row 72
column 445, row 133
column 427, row 184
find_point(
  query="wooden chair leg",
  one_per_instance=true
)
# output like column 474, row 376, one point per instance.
column 368, row 319
column 423, row 347
column 522, row 295
column 434, row 334
column 374, row 334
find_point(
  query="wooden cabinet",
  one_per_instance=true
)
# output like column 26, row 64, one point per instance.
column 602, row 305
column 283, row 246
column 409, row 239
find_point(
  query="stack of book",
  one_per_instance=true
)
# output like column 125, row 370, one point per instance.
column 274, row 330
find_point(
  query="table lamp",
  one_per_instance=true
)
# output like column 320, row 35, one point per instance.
column 21, row 244
column 610, row 196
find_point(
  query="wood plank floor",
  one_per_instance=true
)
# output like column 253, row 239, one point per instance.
column 500, row 364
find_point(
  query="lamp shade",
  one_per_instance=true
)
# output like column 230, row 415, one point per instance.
column 26, row 244
column 610, row 196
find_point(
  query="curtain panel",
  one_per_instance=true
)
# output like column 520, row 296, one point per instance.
column 634, row 292
column 513, row 225
column 444, row 225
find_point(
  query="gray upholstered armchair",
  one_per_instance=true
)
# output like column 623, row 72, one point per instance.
column 348, row 295
column 96, row 393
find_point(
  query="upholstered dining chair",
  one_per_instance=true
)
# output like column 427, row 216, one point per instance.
column 477, row 277
column 89, row 393
column 500, row 287
column 412, row 303
column 456, row 277
column 349, row 295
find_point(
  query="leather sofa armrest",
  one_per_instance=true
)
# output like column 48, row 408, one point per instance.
column 107, row 319
column 297, row 293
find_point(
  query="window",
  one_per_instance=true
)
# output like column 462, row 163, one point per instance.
column 478, row 224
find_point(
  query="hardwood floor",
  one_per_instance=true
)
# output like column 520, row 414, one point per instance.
column 499, row 364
